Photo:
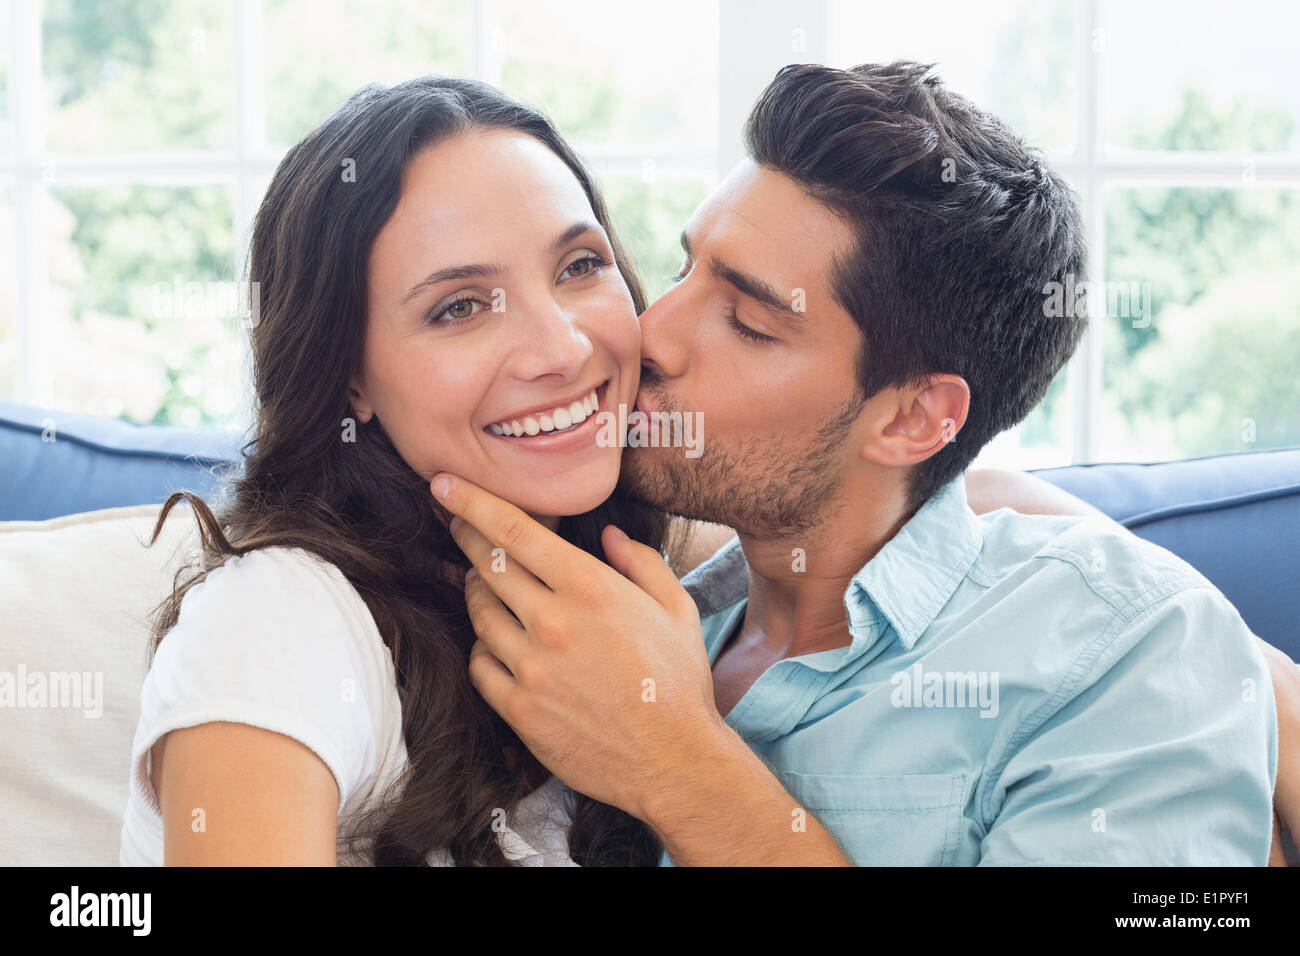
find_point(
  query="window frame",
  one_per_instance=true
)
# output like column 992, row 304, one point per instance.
column 755, row 38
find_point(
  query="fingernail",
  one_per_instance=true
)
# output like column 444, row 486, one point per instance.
column 455, row 522
column 441, row 487
column 619, row 531
column 471, row 574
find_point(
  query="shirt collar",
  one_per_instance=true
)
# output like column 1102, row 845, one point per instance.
column 907, row 583
column 918, row 570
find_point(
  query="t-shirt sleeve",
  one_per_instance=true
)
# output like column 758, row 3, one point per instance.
column 275, row 639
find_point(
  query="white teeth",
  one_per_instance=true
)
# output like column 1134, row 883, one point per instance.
column 557, row 419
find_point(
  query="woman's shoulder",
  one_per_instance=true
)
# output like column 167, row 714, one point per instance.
column 274, row 616
column 263, row 568
column 277, row 586
column 278, row 638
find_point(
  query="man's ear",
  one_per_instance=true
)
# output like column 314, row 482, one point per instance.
column 360, row 405
column 924, row 418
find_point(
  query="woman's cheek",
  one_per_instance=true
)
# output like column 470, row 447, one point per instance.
column 439, row 406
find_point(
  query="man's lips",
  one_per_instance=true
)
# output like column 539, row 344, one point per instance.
column 643, row 403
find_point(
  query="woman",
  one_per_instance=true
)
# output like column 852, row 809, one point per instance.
column 440, row 289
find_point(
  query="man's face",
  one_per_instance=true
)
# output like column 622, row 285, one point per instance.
column 779, row 412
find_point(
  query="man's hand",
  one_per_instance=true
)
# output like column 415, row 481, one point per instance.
column 1286, row 795
column 601, row 672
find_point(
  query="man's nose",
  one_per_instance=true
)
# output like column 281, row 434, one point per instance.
column 665, row 343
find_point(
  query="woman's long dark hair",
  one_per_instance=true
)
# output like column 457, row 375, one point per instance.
column 358, row 504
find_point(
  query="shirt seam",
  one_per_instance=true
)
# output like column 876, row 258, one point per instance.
column 269, row 718
column 1071, row 681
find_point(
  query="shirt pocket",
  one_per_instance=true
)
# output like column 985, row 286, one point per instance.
column 910, row 819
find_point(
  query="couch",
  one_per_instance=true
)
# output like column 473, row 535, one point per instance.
column 79, row 496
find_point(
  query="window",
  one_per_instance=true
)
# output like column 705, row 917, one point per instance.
column 1179, row 126
column 137, row 138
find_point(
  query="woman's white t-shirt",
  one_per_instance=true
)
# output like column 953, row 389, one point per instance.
column 279, row 639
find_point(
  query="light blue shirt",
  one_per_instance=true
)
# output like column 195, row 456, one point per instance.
column 1019, row 689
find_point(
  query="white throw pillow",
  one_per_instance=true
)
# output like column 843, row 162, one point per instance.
column 75, row 595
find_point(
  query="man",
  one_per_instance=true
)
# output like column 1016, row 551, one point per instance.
column 884, row 677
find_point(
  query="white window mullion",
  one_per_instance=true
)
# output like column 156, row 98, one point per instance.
column 32, row 273
column 486, row 50
column 755, row 39
column 250, row 119
column 1084, row 382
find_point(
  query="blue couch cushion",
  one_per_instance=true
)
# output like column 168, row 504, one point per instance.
column 1236, row 518
column 94, row 463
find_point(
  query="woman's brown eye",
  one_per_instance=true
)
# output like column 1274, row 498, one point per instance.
column 583, row 264
column 462, row 309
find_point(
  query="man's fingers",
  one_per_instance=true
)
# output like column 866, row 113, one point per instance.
column 506, row 576
column 1276, row 855
column 490, row 677
column 1286, row 694
column 539, row 549
column 495, row 626
column 646, row 568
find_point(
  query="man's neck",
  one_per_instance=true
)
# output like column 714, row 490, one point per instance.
column 797, row 582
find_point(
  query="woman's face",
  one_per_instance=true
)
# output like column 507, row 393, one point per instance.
column 495, row 305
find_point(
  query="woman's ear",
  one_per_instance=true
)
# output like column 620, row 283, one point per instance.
column 360, row 405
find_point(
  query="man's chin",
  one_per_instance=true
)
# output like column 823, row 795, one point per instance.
column 675, row 489
column 636, row 478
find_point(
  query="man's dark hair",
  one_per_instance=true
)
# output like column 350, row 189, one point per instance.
column 959, row 227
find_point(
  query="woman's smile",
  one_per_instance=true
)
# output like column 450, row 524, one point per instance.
column 555, row 428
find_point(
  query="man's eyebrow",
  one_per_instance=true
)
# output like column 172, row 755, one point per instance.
column 758, row 290
column 780, row 307
column 486, row 270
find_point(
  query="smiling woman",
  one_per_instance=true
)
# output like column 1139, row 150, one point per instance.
column 523, row 317
column 464, row 278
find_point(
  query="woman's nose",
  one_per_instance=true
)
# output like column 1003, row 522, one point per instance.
column 549, row 341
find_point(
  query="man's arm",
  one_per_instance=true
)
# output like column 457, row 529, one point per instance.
column 723, row 807
column 1286, row 795
column 1160, row 753
column 988, row 489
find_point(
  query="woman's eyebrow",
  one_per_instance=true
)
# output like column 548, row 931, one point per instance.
column 573, row 232
column 446, row 275
column 477, row 271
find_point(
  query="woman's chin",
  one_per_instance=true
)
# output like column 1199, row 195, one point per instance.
column 560, row 498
